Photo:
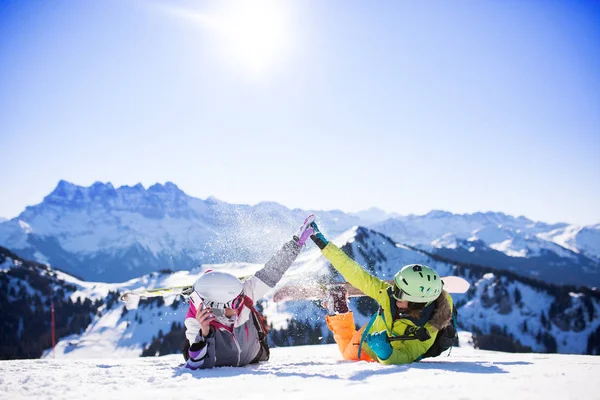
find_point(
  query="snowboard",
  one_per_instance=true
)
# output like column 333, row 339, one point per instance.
column 317, row 291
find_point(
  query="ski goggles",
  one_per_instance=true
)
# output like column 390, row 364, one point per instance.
column 397, row 293
column 238, row 302
column 216, row 308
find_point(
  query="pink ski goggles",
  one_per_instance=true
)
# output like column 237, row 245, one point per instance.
column 216, row 308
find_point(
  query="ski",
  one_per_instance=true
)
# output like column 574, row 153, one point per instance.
column 132, row 298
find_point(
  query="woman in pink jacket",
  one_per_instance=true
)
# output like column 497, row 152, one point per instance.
column 222, row 326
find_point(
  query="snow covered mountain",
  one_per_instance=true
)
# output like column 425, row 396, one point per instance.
column 108, row 234
column 503, row 310
column 373, row 215
column 416, row 229
column 527, row 256
column 579, row 239
column 28, row 292
column 558, row 253
column 113, row 234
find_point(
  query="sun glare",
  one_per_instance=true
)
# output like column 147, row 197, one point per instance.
column 254, row 35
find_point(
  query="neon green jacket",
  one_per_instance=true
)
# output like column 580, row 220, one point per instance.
column 404, row 351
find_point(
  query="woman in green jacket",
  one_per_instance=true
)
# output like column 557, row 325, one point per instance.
column 411, row 311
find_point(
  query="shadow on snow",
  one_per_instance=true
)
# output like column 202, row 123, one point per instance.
column 296, row 369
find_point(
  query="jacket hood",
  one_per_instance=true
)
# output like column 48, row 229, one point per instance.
column 442, row 315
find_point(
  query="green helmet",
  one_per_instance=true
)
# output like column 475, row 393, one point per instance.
column 417, row 283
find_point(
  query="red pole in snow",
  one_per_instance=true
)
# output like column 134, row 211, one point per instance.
column 53, row 334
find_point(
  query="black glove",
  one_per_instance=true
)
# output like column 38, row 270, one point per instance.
column 318, row 237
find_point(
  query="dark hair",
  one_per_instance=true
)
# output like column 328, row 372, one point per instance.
column 413, row 310
column 416, row 306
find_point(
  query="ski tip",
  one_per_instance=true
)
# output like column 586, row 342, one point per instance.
column 455, row 284
column 131, row 300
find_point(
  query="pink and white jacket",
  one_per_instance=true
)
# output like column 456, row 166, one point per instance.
column 239, row 345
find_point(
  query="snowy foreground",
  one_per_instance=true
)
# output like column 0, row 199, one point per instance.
column 309, row 372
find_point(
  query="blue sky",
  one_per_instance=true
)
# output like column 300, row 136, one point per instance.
column 407, row 106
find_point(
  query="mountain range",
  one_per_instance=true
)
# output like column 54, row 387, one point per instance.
column 113, row 234
column 503, row 311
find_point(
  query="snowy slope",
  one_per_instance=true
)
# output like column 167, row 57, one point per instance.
column 89, row 316
column 535, row 317
column 579, row 239
column 555, row 253
column 527, row 314
column 526, row 256
column 28, row 293
column 308, row 372
column 123, row 333
column 127, row 333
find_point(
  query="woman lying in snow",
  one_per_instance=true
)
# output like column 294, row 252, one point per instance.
column 411, row 313
column 222, row 326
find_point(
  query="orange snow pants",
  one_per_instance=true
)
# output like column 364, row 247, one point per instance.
column 346, row 336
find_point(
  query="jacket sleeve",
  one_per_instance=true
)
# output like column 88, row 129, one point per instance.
column 407, row 351
column 405, row 354
column 202, row 353
column 267, row 277
column 192, row 326
column 355, row 274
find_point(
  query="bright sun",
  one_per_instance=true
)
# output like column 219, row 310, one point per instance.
column 255, row 35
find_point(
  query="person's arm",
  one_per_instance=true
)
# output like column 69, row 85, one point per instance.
column 268, row 276
column 405, row 352
column 352, row 272
column 397, row 352
column 192, row 326
column 266, row 279
column 201, row 351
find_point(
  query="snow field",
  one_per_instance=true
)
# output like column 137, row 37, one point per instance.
column 308, row 372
